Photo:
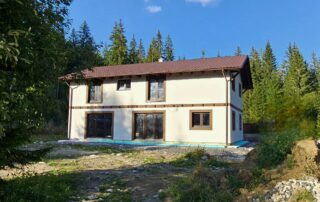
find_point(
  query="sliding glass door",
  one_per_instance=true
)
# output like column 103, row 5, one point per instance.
column 148, row 125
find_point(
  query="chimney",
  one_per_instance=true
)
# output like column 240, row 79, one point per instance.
column 160, row 60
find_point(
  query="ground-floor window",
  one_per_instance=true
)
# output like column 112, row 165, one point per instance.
column 148, row 125
column 200, row 119
column 99, row 125
column 240, row 122
column 233, row 120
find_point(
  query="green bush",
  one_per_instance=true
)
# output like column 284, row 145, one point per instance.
column 40, row 188
column 201, row 186
column 274, row 148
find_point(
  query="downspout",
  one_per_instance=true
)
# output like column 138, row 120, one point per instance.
column 227, row 108
column 70, row 109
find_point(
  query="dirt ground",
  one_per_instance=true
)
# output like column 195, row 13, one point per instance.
column 146, row 171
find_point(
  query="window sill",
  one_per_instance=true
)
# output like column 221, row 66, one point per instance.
column 124, row 89
column 201, row 128
column 150, row 101
column 94, row 102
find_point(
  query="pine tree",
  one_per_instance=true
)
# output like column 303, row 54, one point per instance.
column 159, row 44
column 133, row 52
column 106, row 55
column 168, row 51
column 88, row 54
column 84, row 34
column 296, row 82
column 118, row 49
column 74, row 37
column 238, row 51
column 141, row 52
column 153, row 51
column 270, row 83
column 254, row 99
column 82, row 50
column 315, row 63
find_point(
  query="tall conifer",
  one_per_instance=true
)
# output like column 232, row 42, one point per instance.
column 141, row 52
column 296, row 82
column 168, row 50
column 153, row 51
column 118, row 50
column 133, row 52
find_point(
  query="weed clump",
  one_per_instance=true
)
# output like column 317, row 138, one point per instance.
column 201, row 186
column 198, row 156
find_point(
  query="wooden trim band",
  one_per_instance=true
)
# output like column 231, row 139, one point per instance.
column 156, row 106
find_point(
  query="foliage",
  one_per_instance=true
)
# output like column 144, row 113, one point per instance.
column 274, row 148
column 141, row 52
column 118, row 48
column 168, row 50
column 201, row 186
column 48, row 187
column 133, row 52
column 32, row 57
column 303, row 196
column 82, row 51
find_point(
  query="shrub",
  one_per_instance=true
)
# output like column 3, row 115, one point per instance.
column 201, row 186
column 46, row 187
column 274, row 148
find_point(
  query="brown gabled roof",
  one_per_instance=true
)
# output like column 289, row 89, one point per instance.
column 236, row 63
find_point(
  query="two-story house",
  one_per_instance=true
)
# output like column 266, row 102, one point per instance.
column 196, row 100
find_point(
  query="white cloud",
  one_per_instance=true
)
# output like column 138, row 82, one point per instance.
column 154, row 9
column 204, row 2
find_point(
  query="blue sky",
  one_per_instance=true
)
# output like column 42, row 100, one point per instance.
column 212, row 25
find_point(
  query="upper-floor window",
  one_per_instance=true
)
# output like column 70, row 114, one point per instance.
column 200, row 120
column 233, row 120
column 233, row 84
column 124, row 84
column 95, row 91
column 156, row 88
column 240, row 90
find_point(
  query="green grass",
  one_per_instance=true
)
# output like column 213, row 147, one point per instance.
column 42, row 188
column 303, row 196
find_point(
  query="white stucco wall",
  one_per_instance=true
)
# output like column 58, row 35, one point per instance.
column 196, row 88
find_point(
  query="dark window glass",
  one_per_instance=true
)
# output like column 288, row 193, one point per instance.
column 240, row 90
column 156, row 89
column 201, row 120
column 95, row 92
column 233, row 85
column 158, row 126
column 149, row 125
column 206, row 119
column 240, row 122
column 124, row 84
column 139, row 118
column 196, row 119
column 99, row 125
column 233, row 120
